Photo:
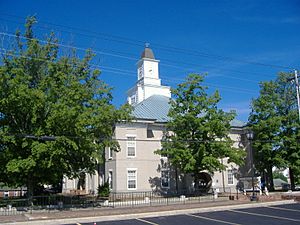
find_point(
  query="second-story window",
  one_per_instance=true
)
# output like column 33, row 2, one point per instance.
column 131, row 147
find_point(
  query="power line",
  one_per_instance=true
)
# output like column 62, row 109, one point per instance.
column 238, row 90
column 67, row 46
column 219, row 75
column 165, row 47
column 180, row 62
column 119, row 71
column 104, row 53
column 94, row 34
column 123, row 55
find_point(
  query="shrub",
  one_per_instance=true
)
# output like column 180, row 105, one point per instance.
column 104, row 190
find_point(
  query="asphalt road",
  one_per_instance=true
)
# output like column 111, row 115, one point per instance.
column 279, row 214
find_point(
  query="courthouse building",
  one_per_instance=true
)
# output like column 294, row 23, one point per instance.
column 136, row 167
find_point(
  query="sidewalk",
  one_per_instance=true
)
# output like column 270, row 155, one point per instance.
column 106, row 214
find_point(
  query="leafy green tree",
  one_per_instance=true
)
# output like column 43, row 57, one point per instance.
column 265, row 123
column 275, row 123
column 290, row 125
column 197, row 134
column 56, row 115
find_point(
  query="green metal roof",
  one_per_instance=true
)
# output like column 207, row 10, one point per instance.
column 156, row 107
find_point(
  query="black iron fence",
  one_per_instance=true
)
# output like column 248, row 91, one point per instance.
column 14, row 206
column 133, row 199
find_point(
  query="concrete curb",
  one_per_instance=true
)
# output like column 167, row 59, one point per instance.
column 148, row 214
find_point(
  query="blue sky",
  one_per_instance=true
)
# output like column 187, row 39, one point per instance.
column 214, row 37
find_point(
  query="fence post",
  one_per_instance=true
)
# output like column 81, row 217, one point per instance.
column 49, row 204
column 71, row 202
column 167, row 200
column 30, row 204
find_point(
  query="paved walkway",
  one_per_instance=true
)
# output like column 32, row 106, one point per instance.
column 105, row 214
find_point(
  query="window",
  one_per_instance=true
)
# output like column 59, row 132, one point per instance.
column 230, row 176
column 6, row 194
column 110, row 179
column 131, row 146
column 110, row 153
column 165, row 178
column 133, row 99
column 131, row 179
column 65, row 182
column 140, row 72
column 150, row 133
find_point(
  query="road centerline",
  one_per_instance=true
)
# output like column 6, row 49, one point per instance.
column 265, row 215
column 211, row 219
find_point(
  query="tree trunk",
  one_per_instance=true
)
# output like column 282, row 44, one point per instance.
column 223, row 177
column 176, row 179
column 292, row 178
column 270, row 183
column 196, row 181
column 30, row 188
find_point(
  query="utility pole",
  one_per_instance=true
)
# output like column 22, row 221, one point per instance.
column 297, row 89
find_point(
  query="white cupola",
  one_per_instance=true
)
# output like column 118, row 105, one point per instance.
column 148, row 82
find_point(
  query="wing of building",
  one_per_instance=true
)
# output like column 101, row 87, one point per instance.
column 136, row 167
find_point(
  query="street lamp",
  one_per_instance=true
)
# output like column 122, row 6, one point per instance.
column 249, row 135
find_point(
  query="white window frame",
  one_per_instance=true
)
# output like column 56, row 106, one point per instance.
column 65, row 182
column 230, row 177
column 161, row 178
column 6, row 194
column 133, row 99
column 110, row 179
column 131, row 145
column 110, row 153
column 131, row 169
column 140, row 72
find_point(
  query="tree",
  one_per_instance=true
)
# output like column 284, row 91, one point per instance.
column 56, row 115
column 197, row 134
column 290, row 125
column 275, row 123
column 265, row 124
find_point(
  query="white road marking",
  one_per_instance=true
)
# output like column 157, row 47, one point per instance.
column 215, row 220
column 145, row 221
column 264, row 215
column 276, row 207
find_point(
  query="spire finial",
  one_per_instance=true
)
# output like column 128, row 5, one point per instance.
column 147, row 45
